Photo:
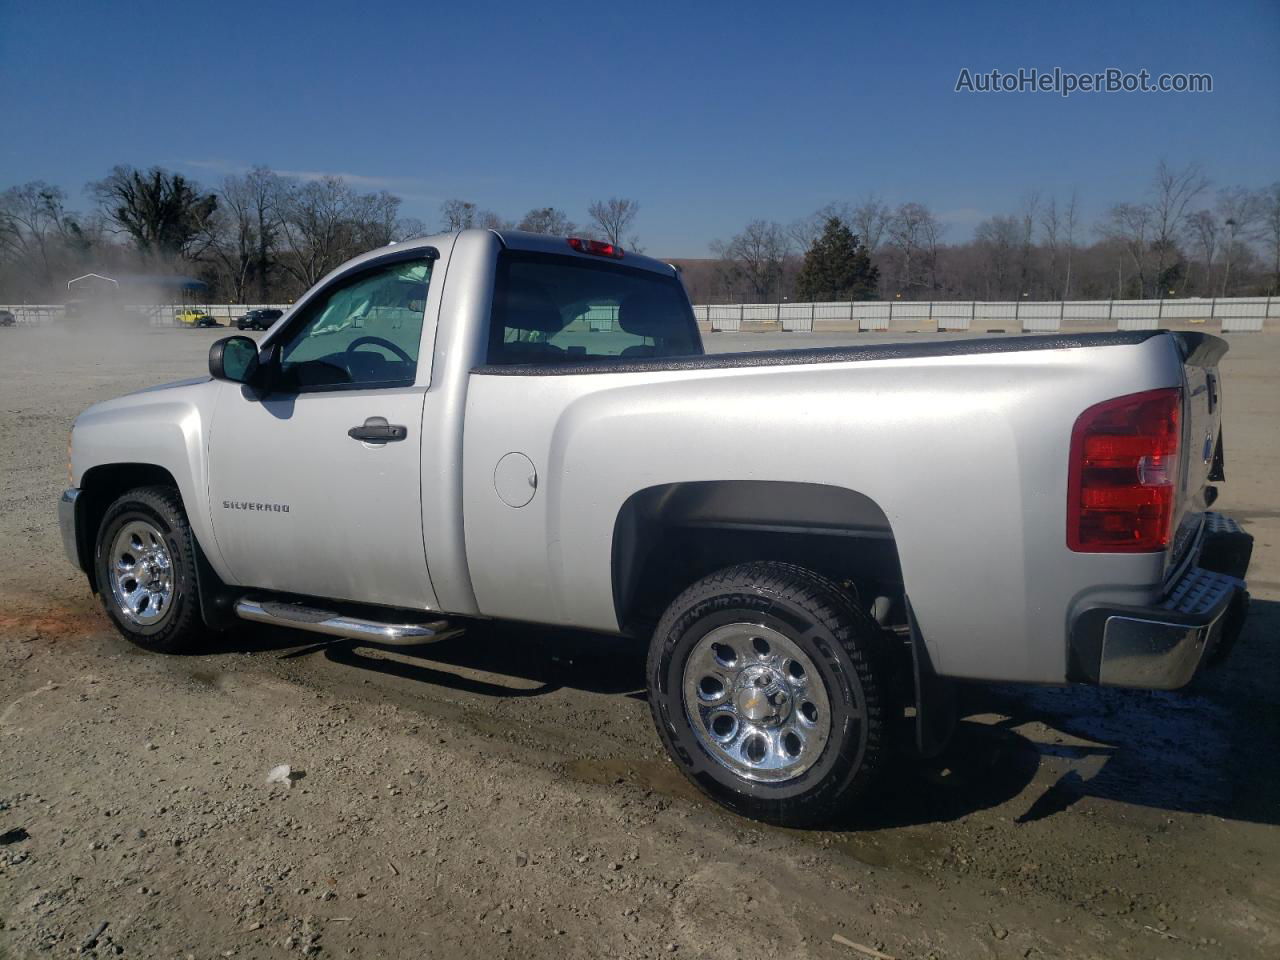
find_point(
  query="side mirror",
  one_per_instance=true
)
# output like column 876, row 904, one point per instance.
column 234, row 359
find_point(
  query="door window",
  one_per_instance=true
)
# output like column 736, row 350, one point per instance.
column 363, row 332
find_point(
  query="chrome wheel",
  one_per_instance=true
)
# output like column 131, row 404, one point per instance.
column 141, row 573
column 756, row 702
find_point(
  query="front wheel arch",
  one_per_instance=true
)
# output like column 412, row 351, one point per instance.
column 144, row 550
column 99, row 488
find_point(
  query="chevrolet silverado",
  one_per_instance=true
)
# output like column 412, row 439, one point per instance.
column 815, row 544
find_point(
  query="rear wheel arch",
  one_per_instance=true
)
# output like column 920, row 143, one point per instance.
column 727, row 648
column 668, row 536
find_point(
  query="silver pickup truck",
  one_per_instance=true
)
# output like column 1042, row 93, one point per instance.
column 814, row 544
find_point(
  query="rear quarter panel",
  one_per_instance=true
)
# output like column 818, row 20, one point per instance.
column 965, row 455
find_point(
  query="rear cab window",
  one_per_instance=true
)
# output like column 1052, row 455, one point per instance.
column 550, row 309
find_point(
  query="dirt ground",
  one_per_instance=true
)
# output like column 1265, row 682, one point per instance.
column 504, row 794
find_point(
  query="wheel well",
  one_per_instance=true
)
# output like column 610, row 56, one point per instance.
column 667, row 537
column 99, row 487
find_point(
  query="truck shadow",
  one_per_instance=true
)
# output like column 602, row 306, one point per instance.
column 491, row 659
column 1209, row 749
column 1036, row 750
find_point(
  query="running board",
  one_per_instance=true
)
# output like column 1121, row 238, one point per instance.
column 301, row 617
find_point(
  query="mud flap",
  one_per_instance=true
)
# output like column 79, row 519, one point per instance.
column 937, row 711
column 217, row 600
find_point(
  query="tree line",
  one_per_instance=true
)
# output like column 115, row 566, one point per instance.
column 1183, row 239
column 260, row 236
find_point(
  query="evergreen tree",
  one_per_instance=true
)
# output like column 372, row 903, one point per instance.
column 837, row 267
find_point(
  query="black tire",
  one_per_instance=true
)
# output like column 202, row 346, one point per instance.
column 181, row 627
column 843, row 643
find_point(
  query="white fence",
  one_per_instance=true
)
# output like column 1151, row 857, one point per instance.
column 159, row 315
column 1236, row 314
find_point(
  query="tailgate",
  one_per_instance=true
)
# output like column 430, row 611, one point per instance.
column 1201, row 435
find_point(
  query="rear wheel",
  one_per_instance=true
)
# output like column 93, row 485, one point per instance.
column 146, row 574
column 765, row 683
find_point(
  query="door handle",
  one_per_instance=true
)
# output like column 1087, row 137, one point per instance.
column 377, row 430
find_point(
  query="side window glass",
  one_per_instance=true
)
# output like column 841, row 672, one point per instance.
column 363, row 332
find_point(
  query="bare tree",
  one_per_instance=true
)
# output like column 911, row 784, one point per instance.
column 457, row 215
column 1026, row 245
column 915, row 232
column 233, row 243
column 488, row 220
column 1051, row 224
column 999, row 238
column 869, row 220
column 1271, row 218
column 164, row 213
column 372, row 220
column 804, row 232
column 324, row 222
column 1203, row 230
column 755, row 258
column 311, row 216
column 263, row 188
column 546, row 220
column 615, row 217
column 33, row 220
column 1241, row 211
column 1070, row 223
column 1128, row 225
column 1174, row 192
column 410, row 228
column 241, row 231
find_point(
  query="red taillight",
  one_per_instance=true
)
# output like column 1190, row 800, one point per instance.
column 1124, row 471
column 597, row 247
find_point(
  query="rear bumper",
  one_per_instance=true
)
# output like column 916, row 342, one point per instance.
column 1161, row 647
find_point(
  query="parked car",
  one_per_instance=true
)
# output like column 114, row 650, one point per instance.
column 258, row 319
column 812, row 543
column 194, row 318
column 7, row 319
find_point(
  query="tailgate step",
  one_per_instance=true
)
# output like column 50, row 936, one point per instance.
column 300, row 616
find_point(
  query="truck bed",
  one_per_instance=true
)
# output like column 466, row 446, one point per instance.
column 845, row 354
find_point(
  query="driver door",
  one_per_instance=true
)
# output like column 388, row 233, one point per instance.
column 315, row 488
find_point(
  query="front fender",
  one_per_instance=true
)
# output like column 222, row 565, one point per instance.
column 165, row 427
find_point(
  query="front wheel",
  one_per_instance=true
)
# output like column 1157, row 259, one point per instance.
column 765, row 683
column 145, row 563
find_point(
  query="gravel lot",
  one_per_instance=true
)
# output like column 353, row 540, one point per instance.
column 503, row 794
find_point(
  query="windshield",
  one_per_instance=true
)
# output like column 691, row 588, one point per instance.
column 551, row 309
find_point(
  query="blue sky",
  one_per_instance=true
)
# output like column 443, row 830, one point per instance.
column 708, row 114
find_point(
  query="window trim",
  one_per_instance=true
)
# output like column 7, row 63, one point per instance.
column 507, row 254
column 354, row 274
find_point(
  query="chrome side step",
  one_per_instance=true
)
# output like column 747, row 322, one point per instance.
column 301, row 617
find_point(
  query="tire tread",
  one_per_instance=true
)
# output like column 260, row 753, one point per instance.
column 859, row 637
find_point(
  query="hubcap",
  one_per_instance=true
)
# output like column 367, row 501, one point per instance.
column 141, row 573
column 756, row 703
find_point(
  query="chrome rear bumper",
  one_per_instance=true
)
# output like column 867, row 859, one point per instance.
column 1161, row 647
